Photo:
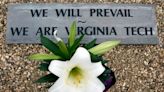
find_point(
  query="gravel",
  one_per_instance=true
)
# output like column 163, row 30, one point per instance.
column 138, row 68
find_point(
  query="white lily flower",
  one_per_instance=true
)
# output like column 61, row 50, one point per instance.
column 77, row 75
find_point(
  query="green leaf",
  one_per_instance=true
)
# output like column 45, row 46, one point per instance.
column 108, row 78
column 51, row 46
column 72, row 34
column 104, row 62
column 75, row 45
column 77, row 42
column 103, row 47
column 63, row 48
column 47, row 78
column 43, row 57
column 44, row 67
column 105, row 75
column 95, row 58
column 90, row 44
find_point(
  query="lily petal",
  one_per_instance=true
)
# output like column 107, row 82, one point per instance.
column 57, row 67
column 94, row 84
column 96, row 69
column 64, row 88
column 81, row 56
column 57, row 86
column 60, row 86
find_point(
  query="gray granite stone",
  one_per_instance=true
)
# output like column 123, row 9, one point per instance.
column 129, row 23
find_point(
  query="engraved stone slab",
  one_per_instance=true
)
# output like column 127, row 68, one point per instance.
column 130, row 23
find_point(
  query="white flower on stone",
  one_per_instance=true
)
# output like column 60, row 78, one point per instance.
column 77, row 75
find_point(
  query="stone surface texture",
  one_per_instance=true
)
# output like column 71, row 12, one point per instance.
column 138, row 68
